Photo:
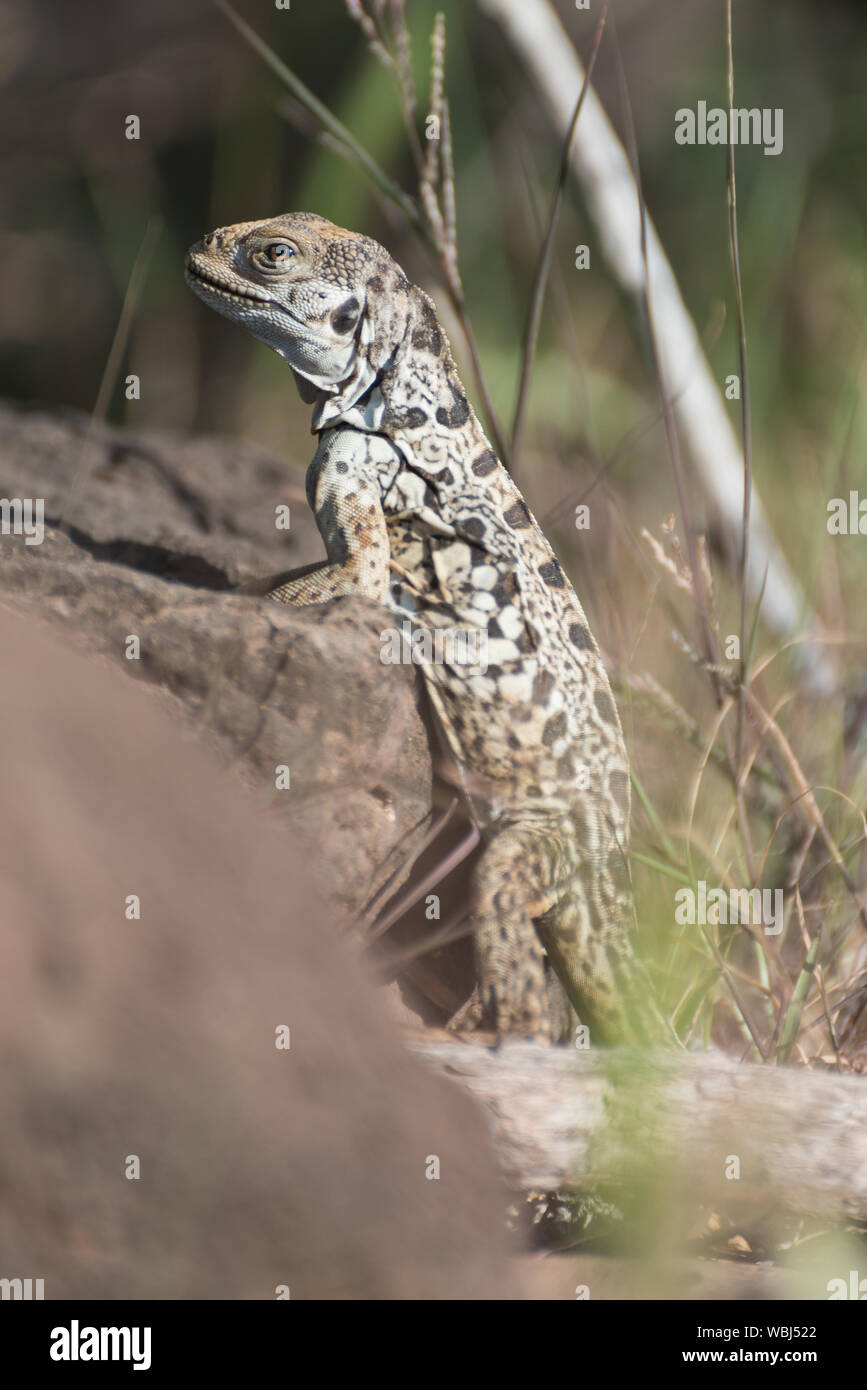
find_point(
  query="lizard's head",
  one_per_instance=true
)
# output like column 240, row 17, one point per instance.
column 305, row 287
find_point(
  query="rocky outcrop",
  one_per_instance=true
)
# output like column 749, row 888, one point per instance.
column 145, row 536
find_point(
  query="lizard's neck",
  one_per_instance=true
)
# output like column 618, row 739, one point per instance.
column 418, row 402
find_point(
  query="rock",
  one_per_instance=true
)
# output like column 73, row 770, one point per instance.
column 152, row 1037
column 144, row 537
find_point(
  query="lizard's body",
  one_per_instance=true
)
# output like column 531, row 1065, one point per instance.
column 417, row 513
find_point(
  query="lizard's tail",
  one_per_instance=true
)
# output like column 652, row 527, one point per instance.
column 532, row 899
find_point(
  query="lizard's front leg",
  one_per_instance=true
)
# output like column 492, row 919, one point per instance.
column 344, row 491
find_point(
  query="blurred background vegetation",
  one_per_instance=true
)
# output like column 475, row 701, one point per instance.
column 223, row 141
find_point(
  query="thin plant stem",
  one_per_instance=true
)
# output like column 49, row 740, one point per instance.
column 540, row 280
column 119, row 342
column 326, row 118
column 673, row 442
column 746, row 433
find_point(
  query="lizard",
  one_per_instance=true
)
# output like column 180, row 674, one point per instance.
column 418, row 513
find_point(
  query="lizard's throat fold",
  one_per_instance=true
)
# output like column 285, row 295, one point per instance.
column 339, row 389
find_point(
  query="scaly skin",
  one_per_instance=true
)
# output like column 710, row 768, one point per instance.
column 417, row 512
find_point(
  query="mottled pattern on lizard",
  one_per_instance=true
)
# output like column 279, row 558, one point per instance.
column 417, row 512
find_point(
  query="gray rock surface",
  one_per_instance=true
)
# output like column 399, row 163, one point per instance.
column 144, row 537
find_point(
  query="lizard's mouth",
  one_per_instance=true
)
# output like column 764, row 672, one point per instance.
column 208, row 284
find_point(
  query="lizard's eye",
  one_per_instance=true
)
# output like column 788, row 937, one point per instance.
column 279, row 252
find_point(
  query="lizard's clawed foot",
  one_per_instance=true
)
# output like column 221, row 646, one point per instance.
column 469, row 1017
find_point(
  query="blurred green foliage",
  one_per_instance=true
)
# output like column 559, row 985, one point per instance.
column 219, row 144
